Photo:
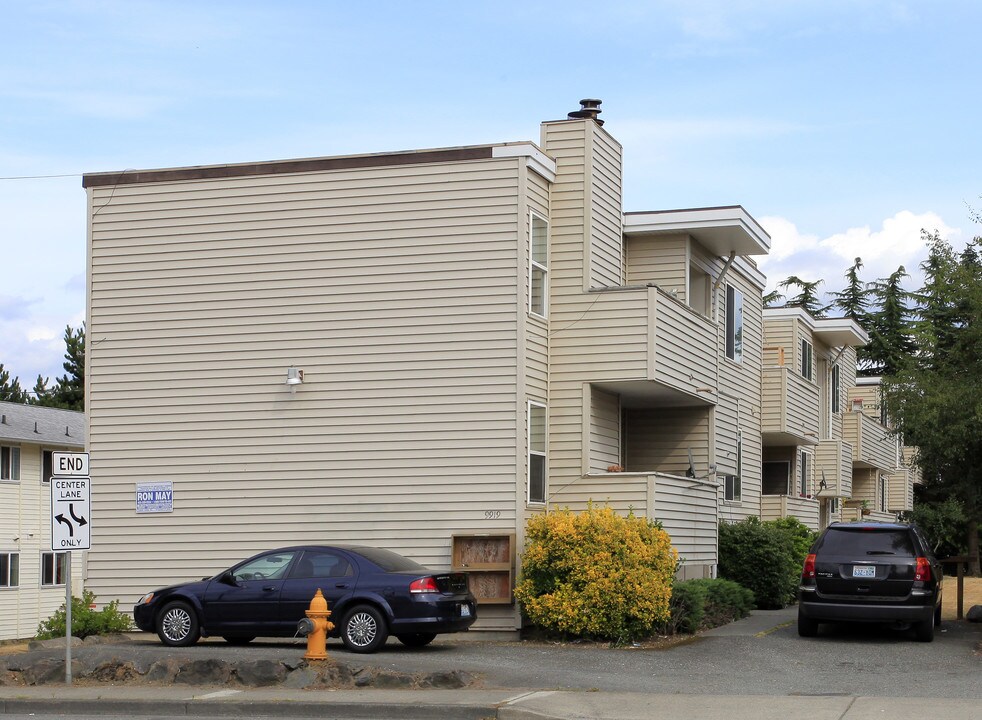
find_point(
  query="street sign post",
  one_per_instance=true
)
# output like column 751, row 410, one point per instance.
column 71, row 504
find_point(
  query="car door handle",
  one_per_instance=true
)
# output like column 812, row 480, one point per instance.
column 269, row 588
column 341, row 585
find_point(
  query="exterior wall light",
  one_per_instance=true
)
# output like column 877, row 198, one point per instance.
column 294, row 377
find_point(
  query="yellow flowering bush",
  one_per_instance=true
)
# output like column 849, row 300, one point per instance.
column 596, row 574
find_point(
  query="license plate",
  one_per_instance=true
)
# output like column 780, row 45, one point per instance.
column 863, row 571
column 465, row 610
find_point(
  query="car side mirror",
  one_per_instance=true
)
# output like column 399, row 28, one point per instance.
column 228, row 578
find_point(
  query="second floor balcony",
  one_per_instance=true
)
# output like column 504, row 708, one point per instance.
column 833, row 467
column 873, row 445
column 790, row 407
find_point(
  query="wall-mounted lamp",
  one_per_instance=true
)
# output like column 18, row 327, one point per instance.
column 294, row 377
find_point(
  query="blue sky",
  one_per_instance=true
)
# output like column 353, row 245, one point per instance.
column 844, row 127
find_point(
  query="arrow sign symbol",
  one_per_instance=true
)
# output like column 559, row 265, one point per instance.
column 71, row 528
column 71, row 511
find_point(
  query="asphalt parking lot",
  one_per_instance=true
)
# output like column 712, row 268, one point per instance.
column 761, row 655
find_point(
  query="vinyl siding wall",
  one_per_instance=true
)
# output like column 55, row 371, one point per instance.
column 398, row 290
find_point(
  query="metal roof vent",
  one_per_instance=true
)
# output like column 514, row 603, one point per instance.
column 589, row 108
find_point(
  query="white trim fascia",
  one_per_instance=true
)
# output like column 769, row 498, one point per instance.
column 535, row 159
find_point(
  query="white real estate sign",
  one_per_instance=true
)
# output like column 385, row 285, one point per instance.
column 71, row 501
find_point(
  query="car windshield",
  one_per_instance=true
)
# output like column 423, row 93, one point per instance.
column 840, row 541
column 388, row 560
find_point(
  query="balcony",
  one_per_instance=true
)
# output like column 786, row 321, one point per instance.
column 643, row 342
column 775, row 507
column 873, row 445
column 790, row 408
column 900, row 490
column 833, row 464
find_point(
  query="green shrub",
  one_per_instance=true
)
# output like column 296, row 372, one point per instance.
column 85, row 621
column 762, row 557
column 701, row 604
column 802, row 537
column 596, row 574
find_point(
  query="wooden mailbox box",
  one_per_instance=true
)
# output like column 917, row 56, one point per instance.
column 489, row 561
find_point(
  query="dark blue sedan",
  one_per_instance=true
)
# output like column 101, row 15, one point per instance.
column 370, row 592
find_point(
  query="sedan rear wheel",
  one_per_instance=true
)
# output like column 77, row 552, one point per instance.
column 416, row 639
column 363, row 629
column 177, row 625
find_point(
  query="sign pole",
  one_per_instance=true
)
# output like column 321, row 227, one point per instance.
column 68, row 617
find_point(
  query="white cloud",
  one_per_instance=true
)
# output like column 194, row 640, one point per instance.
column 897, row 242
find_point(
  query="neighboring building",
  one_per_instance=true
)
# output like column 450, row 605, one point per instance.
column 470, row 335
column 32, row 577
column 885, row 490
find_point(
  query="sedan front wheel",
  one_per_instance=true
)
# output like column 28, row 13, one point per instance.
column 363, row 629
column 177, row 625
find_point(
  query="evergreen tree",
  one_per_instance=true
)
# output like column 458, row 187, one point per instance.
column 69, row 390
column 936, row 399
column 889, row 326
column 807, row 296
column 853, row 301
column 10, row 389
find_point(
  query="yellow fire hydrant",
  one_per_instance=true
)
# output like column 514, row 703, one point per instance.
column 316, row 626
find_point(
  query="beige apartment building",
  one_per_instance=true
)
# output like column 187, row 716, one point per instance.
column 414, row 350
column 828, row 452
column 32, row 576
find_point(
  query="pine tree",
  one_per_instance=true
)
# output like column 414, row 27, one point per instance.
column 10, row 390
column 889, row 325
column 807, row 296
column 853, row 301
column 69, row 390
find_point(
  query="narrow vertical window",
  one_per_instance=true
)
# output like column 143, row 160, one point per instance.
column 9, row 463
column 734, row 324
column 538, row 265
column 46, row 466
column 537, row 453
column 835, row 389
column 53, row 566
column 9, row 570
column 804, row 466
column 732, row 486
column 806, row 360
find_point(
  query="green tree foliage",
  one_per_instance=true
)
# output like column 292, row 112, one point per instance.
column 936, row 398
column 807, row 296
column 942, row 520
column 69, row 390
column 10, row 389
column 596, row 574
column 889, row 327
column 706, row 603
column 762, row 557
column 85, row 620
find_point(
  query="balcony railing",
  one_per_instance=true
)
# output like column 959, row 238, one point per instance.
column 790, row 405
column 873, row 445
column 775, row 507
column 833, row 464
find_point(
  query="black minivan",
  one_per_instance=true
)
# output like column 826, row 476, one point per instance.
column 871, row 572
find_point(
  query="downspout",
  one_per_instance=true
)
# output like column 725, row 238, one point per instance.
column 722, row 273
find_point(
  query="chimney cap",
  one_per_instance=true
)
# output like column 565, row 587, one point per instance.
column 589, row 108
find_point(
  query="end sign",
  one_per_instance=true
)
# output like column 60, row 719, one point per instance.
column 71, row 501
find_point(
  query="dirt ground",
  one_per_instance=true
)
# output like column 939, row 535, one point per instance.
column 973, row 596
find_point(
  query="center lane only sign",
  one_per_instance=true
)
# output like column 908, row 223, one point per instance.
column 71, row 501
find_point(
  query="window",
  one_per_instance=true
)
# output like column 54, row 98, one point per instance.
column 835, row 389
column 700, row 287
column 53, row 568
column 46, row 466
column 537, row 453
column 538, row 264
column 732, row 489
column 9, row 463
column 9, row 570
column 806, row 360
column 734, row 324
column 776, row 478
column 319, row 564
column 834, row 506
column 271, row 566
column 804, row 466
column 883, row 493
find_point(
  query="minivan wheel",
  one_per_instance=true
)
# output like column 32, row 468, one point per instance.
column 807, row 627
column 363, row 629
column 924, row 631
column 177, row 625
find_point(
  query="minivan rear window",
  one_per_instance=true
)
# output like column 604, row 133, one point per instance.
column 842, row 541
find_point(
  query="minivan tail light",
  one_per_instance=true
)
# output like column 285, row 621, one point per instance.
column 809, row 570
column 424, row 585
column 923, row 570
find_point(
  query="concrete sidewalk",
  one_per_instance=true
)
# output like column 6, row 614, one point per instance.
column 467, row 704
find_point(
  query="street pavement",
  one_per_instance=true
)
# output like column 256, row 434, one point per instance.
column 610, row 702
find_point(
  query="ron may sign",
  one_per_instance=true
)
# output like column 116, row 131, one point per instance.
column 155, row 497
column 71, row 500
